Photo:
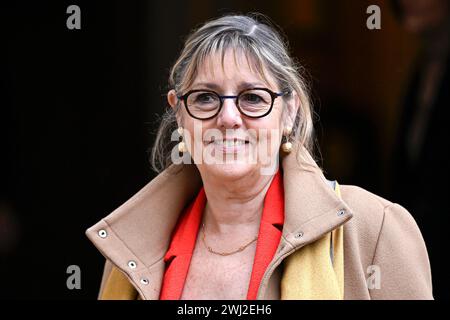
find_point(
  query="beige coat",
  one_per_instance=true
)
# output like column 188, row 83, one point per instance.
column 379, row 236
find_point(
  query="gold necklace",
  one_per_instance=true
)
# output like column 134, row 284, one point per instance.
column 224, row 253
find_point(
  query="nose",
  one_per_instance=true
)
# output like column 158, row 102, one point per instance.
column 229, row 116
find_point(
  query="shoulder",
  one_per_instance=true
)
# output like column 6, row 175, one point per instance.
column 363, row 199
column 386, row 235
column 368, row 212
column 371, row 212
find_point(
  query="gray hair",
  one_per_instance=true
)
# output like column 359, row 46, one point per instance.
column 263, row 46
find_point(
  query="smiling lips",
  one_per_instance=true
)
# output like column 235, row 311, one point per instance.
column 229, row 142
column 233, row 145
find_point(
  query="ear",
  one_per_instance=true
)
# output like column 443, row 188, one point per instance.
column 172, row 98
column 292, row 106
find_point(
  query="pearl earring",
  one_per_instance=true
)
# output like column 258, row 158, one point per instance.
column 181, row 145
column 287, row 146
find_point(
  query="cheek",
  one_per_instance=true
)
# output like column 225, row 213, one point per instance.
column 189, row 124
column 272, row 124
column 268, row 135
column 196, row 132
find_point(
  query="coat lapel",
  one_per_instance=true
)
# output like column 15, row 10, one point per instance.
column 178, row 257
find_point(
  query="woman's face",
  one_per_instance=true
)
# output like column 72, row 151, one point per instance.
column 232, row 145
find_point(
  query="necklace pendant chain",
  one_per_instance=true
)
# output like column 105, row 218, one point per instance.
column 241, row 248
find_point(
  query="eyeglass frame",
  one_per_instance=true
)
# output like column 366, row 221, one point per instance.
column 273, row 95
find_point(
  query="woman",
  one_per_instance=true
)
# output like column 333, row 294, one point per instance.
column 225, row 219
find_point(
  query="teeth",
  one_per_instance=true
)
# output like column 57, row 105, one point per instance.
column 229, row 143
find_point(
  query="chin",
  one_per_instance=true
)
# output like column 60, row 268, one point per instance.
column 232, row 171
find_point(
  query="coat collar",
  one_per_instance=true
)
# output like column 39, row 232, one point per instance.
column 136, row 236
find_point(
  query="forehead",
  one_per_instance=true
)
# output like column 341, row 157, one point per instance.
column 231, row 68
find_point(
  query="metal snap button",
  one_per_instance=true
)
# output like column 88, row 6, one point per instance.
column 144, row 281
column 132, row 264
column 341, row 212
column 102, row 233
column 299, row 234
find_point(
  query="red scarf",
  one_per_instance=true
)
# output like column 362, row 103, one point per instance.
column 178, row 257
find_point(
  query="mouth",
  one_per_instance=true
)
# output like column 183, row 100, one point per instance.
column 229, row 142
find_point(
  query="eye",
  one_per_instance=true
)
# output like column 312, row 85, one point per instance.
column 205, row 97
column 251, row 98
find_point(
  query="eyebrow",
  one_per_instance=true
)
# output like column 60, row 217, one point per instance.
column 241, row 85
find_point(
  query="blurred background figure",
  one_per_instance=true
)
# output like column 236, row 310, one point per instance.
column 420, row 158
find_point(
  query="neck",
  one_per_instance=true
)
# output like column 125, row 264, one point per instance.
column 235, row 207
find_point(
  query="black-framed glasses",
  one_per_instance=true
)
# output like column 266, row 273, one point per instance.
column 253, row 103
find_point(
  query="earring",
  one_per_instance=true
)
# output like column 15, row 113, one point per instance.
column 181, row 145
column 287, row 146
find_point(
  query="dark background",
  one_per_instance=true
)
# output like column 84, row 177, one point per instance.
column 78, row 113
